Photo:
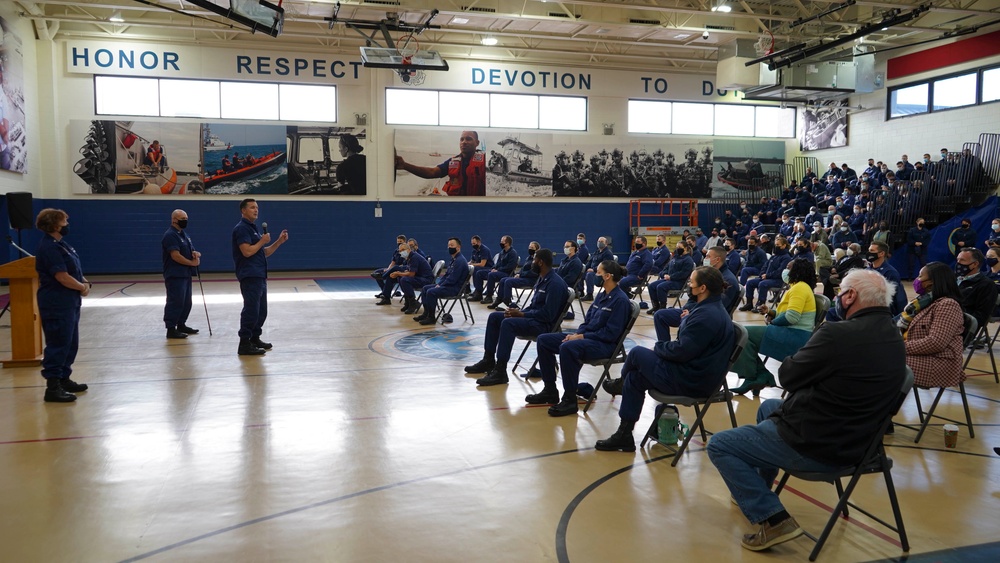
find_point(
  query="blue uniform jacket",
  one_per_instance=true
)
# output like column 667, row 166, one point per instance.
column 899, row 298
column 776, row 264
column 808, row 255
column 598, row 257
column 968, row 236
column 525, row 271
column 841, row 239
column 178, row 240
column 640, row 263
column 548, row 300
column 456, row 274
column 482, row 254
column 699, row 355
column 51, row 258
column 679, row 268
column 916, row 235
column 756, row 258
column 508, row 261
column 570, row 269
column 731, row 294
column 248, row 267
column 733, row 262
column 607, row 317
column 661, row 255
column 421, row 269
column 584, row 253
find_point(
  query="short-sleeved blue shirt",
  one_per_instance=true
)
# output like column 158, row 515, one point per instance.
column 178, row 240
column 54, row 256
column 255, row 266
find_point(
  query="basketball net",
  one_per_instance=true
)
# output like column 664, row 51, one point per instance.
column 764, row 45
column 407, row 46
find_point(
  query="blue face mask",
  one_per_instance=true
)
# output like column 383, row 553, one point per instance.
column 839, row 307
column 784, row 276
column 579, row 241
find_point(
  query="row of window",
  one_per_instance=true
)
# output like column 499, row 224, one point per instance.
column 724, row 120
column 969, row 88
column 214, row 99
column 474, row 109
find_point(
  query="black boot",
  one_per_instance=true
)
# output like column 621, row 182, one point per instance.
column 484, row 365
column 247, row 348
column 567, row 406
column 412, row 306
column 548, row 396
column 614, row 386
column 620, row 441
column 496, row 376
column 187, row 330
column 749, row 305
column 72, row 386
column 256, row 341
column 385, row 301
column 174, row 333
column 54, row 393
column 496, row 303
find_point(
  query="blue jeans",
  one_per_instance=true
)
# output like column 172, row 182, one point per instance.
column 749, row 457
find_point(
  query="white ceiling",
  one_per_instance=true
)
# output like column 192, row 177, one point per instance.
column 652, row 35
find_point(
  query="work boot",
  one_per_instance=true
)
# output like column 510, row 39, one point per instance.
column 568, row 406
column 496, row 303
column 548, row 396
column 748, row 306
column 486, row 300
column 427, row 321
column 72, row 386
column 614, row 386
column 54, row 393
column 412, row 306
column 496, row 376
column 256, row 341
column 484, row 365
column 620, row 441
column 174, row 333
column 186, row 329
column 385, row 301
column 248, row 349
column 477, row 296
column 587, row 297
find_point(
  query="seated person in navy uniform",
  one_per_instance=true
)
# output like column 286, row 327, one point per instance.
column 415, row 248
column 803, row 249
column 596, row 338
column 523, row 278
column 382, row 273
column 979, row 294
column 843, row 236
column 582, row 252
column 639, row 265
column 770, row 276
column 694, row 365
column 756, row 259
column 671, row 278
column 661, row 253
column 733, row 260
column 603, row 253
column 505, row 266
column 571, row 269
column 416, row 273
column 547, row 302
column 482, row 259
column 450, row 285
column 668, row 318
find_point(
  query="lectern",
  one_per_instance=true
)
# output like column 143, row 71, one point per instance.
column 25, row 325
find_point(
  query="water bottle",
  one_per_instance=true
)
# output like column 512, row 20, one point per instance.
column 668, row 424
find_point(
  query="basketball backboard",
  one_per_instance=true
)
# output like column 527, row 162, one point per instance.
column 380, row 57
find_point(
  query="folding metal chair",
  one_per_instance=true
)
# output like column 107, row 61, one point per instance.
column 984, row 333
column 872, row 462
column 450, row 301
column 735, row 304
column 554, row 328
column 723, row 395
column 617, row 357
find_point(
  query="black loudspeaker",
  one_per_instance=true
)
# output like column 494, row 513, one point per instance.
column 19, row 210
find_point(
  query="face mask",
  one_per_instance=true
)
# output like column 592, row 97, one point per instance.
column 602, row 245
column 839, row 307
column 871, row 256
column 962, row 269
column 965, row 226
column 927, row 161
column 717, row 221
column 531, row 252
column 784, row 276
column 678, row 252
column 659, row 243
column 991, row 262
column 996, row 227
column 850, row 252
column 706, row 262
column 944, row 154
column 475, row 246
column 600, row 281
column 182, row 223
column 404, row 253
column 638, row 245
column 566, row 251
column 756, row 219
column 452, row 251
column 920, row 225
column 64, row 231
column 918, row 286
column 752, row 245
column 579, row 241
column 843, row 229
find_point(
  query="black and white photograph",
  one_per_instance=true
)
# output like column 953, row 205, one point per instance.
column 824, row 125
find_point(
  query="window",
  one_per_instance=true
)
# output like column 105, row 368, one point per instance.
column 649, row 117
column 955, row 92
column 514, row 110
column 249, row 100
column 470, row 109
column 411, row 107
column 693, row 119
column 307, row 102
column 733, row 120
column 405, row 106
column 126, row 96
column 991, row 85
column 189, row 98
column 310, row 148
column 775, row 122
column 908, row 101
column 562, row 112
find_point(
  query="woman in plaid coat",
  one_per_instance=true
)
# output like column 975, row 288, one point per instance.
column 932, row 326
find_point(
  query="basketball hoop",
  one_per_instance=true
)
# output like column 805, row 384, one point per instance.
column 765, row 44
column 408, row 77
column 407, row 47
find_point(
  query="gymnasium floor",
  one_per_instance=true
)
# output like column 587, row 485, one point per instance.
column 359, row 438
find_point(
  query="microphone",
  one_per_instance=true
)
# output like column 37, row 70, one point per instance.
column 264, row 226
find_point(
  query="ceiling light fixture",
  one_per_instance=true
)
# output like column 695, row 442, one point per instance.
column 489, row 41
column 116, row 17
column 723, row 7
column 457, row 20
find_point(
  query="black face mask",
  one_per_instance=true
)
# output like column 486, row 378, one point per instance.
column 531, row 252
column 678, row 252
column 872, row 256
column 638, row 246
column 659, row 243
column 965, row 226
column 64, row 231
column 475, row 247
column 962, row 269
column 452, row 251
column 182, row 223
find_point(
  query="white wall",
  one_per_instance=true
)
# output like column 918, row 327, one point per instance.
column 36, row 159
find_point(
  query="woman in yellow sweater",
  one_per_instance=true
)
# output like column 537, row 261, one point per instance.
column 787, row 329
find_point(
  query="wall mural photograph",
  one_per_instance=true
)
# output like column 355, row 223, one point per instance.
column 13, row 137
column 747, row 165
column 136, row 157
column 824, row 125
column 518, row 164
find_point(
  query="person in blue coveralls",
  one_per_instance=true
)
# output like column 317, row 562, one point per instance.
column 416, row 273
column 482, row 259
column 524, row 277
column 250, row 253
column 640, row 263
column 449, row 286
column 594, row 339
column 381, row 274
column 180, row 262
column 603, row 253
column 61, row 287
column 505, row 267
column 547, row 301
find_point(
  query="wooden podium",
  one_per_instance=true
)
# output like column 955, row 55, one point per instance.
column 25, row 326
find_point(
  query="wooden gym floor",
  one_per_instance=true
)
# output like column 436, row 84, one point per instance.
column 359, row 438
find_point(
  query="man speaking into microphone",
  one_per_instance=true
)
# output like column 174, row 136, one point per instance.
column 250, row 252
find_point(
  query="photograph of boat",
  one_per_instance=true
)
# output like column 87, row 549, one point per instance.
column 253, row 163
column 248, row 168
column 211, row 142
column 527, row 167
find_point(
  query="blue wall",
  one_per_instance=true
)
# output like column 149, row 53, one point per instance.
column 123, row 236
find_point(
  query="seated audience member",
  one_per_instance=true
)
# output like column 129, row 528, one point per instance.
column 571, row 267
column 788, row 328
column 932, row 327
column 582, row 252
column 843, row 236
column 382, row 273
column 846, row 260
column 824, row 262
column 819, row 234
column 415, row 248
column 449, row 286
column 694, row 250
column 993, row 265
column 767, row 243
column 770, row 276
column 638, row 266
column 481, row 259
column 525, row 277
column 756, row 260
column 878, row 260
column 733, row 260
column 594, row 339
column 836, row 402
column 802, row 248
column 416, row 273
column 668, row 318
column 979, row 294
column 504, row 267
column 994, row 238
column 693, row 365
column 603, row 253
column 547, row 302
column 672, row 278
column 661, row 254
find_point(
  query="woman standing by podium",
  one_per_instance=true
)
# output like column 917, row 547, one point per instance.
column 61, row 286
